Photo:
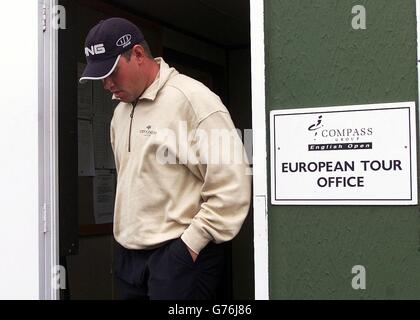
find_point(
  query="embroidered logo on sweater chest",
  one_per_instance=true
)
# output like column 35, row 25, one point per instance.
column 148, row 131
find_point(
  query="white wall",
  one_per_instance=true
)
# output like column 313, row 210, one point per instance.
column 19, row 231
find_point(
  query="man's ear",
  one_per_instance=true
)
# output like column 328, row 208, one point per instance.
column 138, row 52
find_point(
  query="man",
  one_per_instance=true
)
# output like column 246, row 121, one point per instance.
column 179, row 197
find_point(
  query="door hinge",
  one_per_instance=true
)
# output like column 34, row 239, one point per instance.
column 44, row 217
column 44, row 17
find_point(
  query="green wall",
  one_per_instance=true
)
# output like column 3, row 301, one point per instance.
column 315, row 58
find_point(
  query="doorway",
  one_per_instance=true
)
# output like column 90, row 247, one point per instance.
column 212, row 45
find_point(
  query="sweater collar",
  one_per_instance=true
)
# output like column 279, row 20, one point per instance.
column 165, row 72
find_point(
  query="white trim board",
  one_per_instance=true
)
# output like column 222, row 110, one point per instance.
column 259, row 150
column 48, row 157
column 418, row 44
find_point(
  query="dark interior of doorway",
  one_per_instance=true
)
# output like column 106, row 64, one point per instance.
column 206, row 39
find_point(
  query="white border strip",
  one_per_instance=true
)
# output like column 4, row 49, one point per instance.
column 418, row 45
column 48, row 156
column 259, row 150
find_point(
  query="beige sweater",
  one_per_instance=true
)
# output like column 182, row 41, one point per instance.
column 175, row 176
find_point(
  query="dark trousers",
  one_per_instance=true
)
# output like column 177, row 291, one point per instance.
column 169, row 273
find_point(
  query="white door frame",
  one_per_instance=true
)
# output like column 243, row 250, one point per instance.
column 48, row 154
column 48, row 139
column 418, row 44
column 259, row 150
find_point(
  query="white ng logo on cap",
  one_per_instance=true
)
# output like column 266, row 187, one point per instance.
column 124, row 41
column 96, row 49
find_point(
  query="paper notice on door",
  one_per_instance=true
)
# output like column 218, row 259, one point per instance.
column 104, row 185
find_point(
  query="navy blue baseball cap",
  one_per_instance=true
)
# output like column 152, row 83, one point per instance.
column 104, row 45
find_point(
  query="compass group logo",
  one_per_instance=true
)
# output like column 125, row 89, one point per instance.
column 315, row 127
column 336, row 138
column 148, row 131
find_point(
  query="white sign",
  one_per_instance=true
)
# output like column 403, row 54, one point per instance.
column 104, row 196
column 352, row 155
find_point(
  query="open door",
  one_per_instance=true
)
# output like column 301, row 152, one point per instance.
column 214, row 48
